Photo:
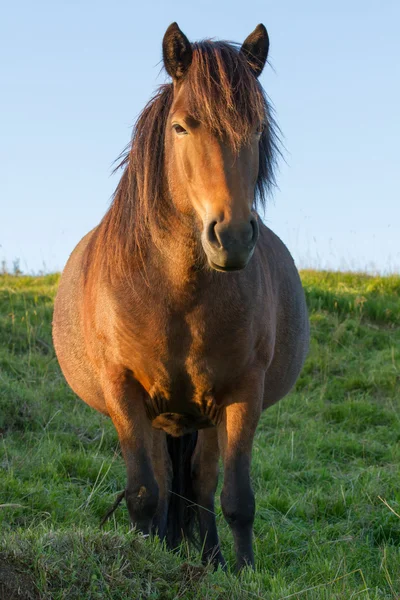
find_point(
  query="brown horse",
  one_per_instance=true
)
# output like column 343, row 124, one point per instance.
column 182, row 316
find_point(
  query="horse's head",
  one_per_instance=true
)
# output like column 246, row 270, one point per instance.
column 218, row 145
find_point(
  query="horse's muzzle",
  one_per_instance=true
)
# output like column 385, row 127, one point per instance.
column 229, row 247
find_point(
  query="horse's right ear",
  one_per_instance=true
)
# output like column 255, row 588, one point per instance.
column 177, row 52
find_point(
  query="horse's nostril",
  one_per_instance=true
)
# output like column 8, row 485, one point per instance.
column 247, row 234
column 212, row 235
column 255, row 230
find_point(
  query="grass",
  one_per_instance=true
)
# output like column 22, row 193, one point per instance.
column 326, row 466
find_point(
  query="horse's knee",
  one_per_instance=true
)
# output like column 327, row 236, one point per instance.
column 238, row 506
column 142, row 502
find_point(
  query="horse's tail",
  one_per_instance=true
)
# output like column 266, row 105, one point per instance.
column 182, row 511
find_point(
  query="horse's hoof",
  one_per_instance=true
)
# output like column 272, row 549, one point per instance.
column 215, row 559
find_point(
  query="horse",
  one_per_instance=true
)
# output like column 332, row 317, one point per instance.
column 182, row 315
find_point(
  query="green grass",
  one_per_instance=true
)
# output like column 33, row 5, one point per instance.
column 326, row 468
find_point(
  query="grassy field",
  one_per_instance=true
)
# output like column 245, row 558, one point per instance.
column 326, row 468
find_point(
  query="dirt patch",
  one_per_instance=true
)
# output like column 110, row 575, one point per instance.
column 15, row 584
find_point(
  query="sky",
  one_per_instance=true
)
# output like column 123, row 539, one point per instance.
column 75, row 75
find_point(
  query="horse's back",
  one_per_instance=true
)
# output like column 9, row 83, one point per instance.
column 68, row 329
column 290, row 317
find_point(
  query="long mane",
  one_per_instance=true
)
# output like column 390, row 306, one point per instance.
column 224, row 95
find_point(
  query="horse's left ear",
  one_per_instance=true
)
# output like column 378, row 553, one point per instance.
column 255, row 48
column 177, row 52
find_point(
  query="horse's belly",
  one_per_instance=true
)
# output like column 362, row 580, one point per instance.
column 68, row 337
column 177, row 424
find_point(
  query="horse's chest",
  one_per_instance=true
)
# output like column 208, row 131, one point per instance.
column 187, row 364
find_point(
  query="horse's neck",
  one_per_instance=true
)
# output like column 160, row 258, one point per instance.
column 171, row 262
column 176, row 258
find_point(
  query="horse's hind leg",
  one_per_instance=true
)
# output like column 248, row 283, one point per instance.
column 125, row 403
column 163, row 473
column 205, row 479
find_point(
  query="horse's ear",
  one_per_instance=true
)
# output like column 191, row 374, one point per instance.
column 177, row 52
column 255, row 48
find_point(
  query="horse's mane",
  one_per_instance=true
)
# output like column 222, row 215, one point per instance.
column 224, row 95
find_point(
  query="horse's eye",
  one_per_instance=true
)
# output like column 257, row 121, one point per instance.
column 260, row 129
column 179, row 129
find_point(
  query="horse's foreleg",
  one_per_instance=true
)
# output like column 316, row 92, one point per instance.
column 236, row 433
column 126, row 407
column 205, row 479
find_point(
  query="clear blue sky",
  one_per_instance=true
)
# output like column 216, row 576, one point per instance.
column 74, row 75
